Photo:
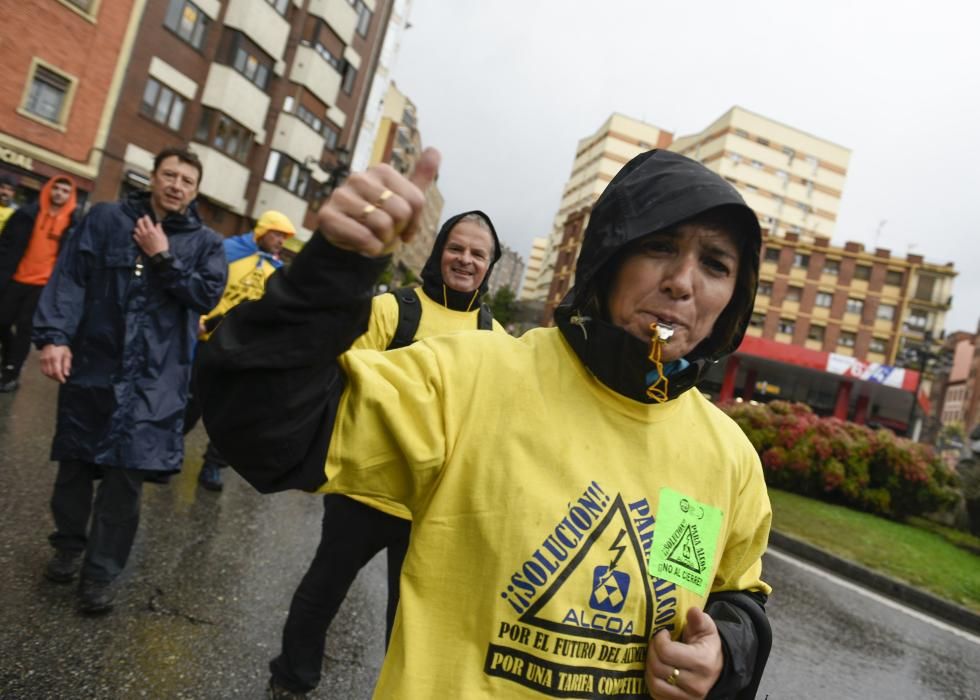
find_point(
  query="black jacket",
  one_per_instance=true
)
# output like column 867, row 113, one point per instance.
column 131, row 329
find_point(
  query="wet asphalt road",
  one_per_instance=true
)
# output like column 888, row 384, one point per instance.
column 208, row 585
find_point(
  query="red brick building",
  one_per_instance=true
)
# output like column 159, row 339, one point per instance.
column 63, row 62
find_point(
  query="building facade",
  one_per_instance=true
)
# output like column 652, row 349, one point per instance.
column 398, row 142
column 507, row 272
column 269, row 93
column 791, row 179
column 63, row 65
column 532, row 271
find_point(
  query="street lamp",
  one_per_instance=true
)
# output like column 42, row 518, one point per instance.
column 922, row 358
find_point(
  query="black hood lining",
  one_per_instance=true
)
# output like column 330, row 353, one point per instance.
column 432, row 282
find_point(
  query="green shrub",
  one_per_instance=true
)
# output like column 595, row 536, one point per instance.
column 844, row 462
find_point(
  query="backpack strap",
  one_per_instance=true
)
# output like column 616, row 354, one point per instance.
column 409, row 315
column 484, row 319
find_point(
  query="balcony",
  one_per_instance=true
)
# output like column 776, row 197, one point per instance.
column 297, row 139
column 225, row 180
column 341, row 17
column 313, row 72
column 229, row 91
column 261, row 24
column 272, row 196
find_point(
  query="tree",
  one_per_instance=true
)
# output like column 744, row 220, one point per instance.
column 504, row 305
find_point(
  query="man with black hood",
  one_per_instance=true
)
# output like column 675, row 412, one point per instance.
column 116, row 327
column 454, row 279
column 584, row 522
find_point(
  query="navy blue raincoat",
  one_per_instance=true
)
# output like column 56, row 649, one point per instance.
column 131, row 329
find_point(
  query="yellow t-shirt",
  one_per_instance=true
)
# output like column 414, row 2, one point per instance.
column 246, row 281
column 436, row 319
column 534, row 492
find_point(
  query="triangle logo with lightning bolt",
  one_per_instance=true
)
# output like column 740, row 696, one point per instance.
column 603, row 591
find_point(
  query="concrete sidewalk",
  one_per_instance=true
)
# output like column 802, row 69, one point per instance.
column 892, row 588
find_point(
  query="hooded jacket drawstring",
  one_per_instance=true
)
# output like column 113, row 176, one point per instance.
column 658, row 390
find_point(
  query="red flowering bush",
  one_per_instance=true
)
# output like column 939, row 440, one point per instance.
column 843, row 462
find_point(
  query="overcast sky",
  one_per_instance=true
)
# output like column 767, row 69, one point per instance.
column 506, row 88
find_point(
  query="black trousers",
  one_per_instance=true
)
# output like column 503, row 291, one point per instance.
column 17, row 304
column 352, row 534
column 115, row 515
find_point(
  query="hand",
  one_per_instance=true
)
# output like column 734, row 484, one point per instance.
column 202, row 329
column 56, row 362
column 361, row 217
column 150, row 237
column 698, row 657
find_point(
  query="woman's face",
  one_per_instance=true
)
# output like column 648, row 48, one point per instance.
column 684, row 278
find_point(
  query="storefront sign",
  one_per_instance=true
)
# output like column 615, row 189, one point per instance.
column 871, row 371
column 15, row 158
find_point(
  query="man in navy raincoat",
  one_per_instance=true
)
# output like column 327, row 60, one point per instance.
column 116, row 326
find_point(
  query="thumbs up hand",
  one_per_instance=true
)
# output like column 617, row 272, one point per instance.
column 373, row 211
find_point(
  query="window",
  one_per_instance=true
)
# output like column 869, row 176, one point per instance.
column 765, row 288
column 790, row 154
column 879, row 345
column 350, row 76
column 225, row 134
column 862, row 272
column 736, row 158
column 363, row 17
column 772, row 254
column 287, row 173
column 816, row 333
column 331, row 135
column 823, row 300
column 83, row 5
column 794, row 293
column 318, row 125
column 162, row 105
column 831, row 267
column 847, row 339
column 279, row 6
column 764, row 142
column 319, row 37
column 855, row 306
column 813, row 162
column 757, row 164
column 48, row 94
column 886, row 312
column 751, row 188
column 742, row 132
column 249, row 60
column 186, row 20
column 757, row 320
column 894, row 278
column 786, row 326
column 801, row 260
column 925, row 287
column 917, row 319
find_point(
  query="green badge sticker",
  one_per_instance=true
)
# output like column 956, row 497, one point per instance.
column 683, row 549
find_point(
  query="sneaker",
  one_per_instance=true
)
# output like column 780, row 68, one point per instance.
column 8, row 382
column 95, row 597
column 63, row 566
column 277, row 692
column 210, row 477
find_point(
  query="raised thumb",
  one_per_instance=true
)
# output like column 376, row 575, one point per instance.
column 699, row 624
column 426, row 168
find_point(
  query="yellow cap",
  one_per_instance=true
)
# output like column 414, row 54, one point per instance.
column 274, row 221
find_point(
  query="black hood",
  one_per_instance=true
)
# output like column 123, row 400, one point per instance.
column 432, row 283
column 655, row 191
column 137, row 204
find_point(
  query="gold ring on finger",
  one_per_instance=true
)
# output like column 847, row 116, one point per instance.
column 368, row 208
column 674, row 675
column 384, row 197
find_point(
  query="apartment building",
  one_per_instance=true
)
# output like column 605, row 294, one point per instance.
column 63, row 64
column 791, row 179
column 507, row 272
column 955, row 394
column 269, row 93
column 398, row 142
column 598, row 158
column 532, row 272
